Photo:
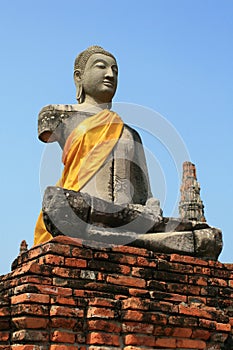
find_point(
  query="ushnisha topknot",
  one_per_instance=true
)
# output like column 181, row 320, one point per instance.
column 82, row 58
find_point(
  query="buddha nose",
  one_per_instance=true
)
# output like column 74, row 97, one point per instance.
column 109, row 73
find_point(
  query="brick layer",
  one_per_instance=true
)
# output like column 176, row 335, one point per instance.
column 65, row 295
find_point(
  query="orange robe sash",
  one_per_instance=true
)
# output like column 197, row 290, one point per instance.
column 86, row 149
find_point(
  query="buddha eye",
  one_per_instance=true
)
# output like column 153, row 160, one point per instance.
column 115, row 70
column 100, row 65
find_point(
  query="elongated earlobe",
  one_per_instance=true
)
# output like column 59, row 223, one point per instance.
column 79, row 86
column 79, row 92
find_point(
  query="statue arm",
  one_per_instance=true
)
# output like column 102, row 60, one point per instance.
column 49, row 120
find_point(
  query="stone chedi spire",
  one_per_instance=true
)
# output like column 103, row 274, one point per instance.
column 191, row 206
column 23, row 247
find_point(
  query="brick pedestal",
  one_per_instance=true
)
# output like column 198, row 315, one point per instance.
column 64, row 295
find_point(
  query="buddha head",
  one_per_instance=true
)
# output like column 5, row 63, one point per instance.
column 95, row 75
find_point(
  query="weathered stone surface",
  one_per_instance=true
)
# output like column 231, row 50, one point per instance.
column 69, row 212
column 167, row 242
column 169, row 224
column 23, row 247
column 59, row 216
column 208, row 242
column 107, row 236
column 204, row 243
column 191, row 206
column 92, row 219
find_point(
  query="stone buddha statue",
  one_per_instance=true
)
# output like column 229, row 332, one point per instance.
column 121, row 177
column 104, row 192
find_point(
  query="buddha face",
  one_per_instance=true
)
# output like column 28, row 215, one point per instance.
column 99, row 79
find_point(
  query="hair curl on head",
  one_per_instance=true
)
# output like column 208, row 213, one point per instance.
column 82, row 58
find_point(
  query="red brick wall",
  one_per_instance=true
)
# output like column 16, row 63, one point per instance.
column 63, row 295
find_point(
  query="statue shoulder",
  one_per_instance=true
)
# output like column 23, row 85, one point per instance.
column 51, row 116
column 132, row 133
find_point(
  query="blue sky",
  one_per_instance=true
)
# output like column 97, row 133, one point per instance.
column 175, row 57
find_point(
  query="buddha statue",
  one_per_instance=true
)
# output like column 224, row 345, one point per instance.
column 104, row 192
column 114, row 167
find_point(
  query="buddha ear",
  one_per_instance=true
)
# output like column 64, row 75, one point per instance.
column 79, row 86
column 77, row 76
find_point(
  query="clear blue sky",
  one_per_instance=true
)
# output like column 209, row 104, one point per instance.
column 175, row 57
